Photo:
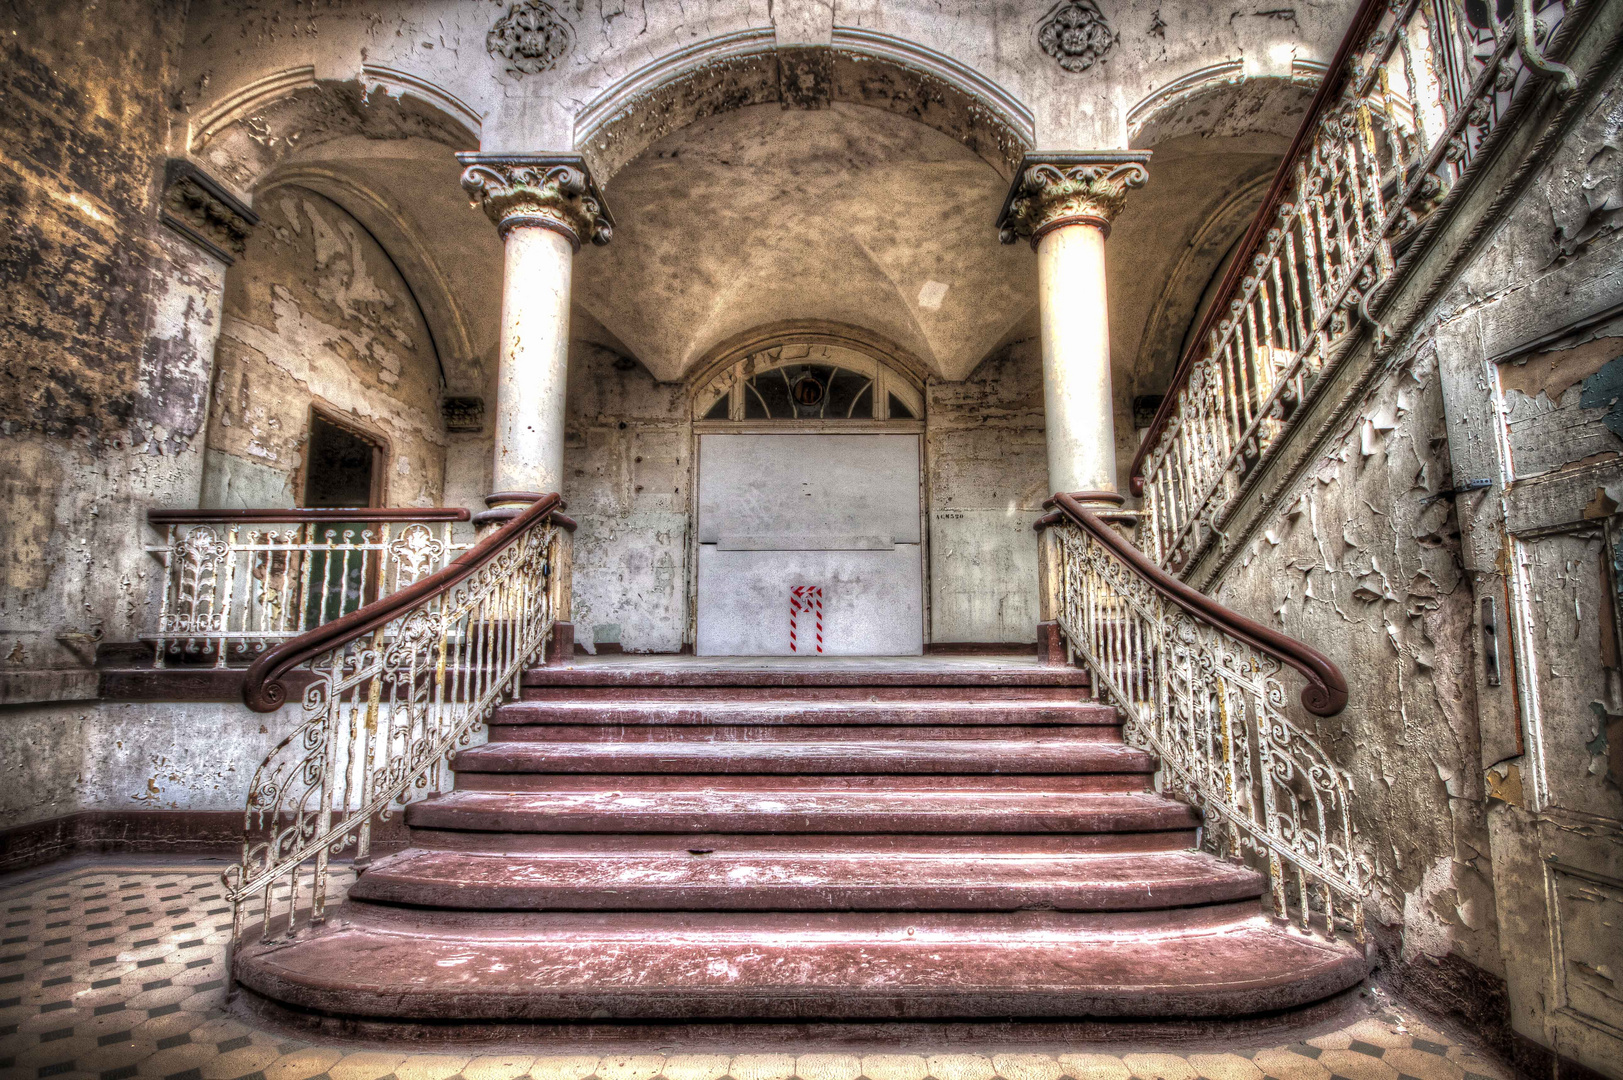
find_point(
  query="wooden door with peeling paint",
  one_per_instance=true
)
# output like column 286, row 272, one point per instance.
column 1534, row 399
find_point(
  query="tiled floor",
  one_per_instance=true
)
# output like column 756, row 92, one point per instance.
column 115, row 968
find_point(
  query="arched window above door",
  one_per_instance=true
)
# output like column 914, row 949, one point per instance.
column 816, row 382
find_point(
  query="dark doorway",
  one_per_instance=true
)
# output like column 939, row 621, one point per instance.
column 343, row 469
column 341, row 466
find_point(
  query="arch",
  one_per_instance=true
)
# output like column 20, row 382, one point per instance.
column 861, row 67
column 449, row 324
column 260, row 137
column 719, row 360
column 246, row 134
column 1222, row 101
column 873, row 389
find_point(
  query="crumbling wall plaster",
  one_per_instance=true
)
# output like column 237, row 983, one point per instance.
column 627, row 469
column 988, row 475
column 1363, row 562
column 316, row 314
column 104, row 320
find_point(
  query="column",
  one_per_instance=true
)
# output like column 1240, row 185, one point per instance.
column 1064, row 203
column 543, row 205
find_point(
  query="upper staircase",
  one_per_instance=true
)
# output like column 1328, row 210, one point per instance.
column 860, row 839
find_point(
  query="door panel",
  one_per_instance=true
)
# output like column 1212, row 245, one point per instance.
column 870, row 602
column 797, row 528
column 806, row 486
column 1542, row 540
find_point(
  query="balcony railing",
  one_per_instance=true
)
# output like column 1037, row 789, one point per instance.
column 1415, row 96
column 236, row 582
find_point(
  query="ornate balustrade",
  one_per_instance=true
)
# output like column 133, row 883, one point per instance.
column 236, row 582
column 1200, row 686
column 398, row 686
column 1411, row 103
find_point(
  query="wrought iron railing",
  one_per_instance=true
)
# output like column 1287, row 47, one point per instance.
column 396, row 687
column 1410, row 105
column 236, row 582
column 1200, row 686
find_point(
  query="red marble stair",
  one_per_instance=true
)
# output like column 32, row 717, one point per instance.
column 728, row 840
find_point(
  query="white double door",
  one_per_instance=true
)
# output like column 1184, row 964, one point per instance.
column 809, row 544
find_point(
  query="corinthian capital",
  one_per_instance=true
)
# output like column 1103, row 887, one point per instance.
column 549, row 191
column 1063, row 189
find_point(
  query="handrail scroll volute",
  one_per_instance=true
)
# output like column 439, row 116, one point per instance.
column 1199, row 686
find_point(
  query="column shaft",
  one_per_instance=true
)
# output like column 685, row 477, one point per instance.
column 533, row 372
column 1077, row 400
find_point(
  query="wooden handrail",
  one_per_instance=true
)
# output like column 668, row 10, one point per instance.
column 1326, row 690
column 295, row 515
column 1368, row 11
column 262, row 689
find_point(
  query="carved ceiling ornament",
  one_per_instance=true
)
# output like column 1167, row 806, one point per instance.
column 1075, row 34
column 530, row 38
column 553, row 192
column 1058, row 189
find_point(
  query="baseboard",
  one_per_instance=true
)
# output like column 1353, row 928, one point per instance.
column 978, row 648
column 1454, row 989
column 146, row 832
column 1535, row 1061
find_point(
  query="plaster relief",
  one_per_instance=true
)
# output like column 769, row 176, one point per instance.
column 1076, row 35
column 530, row 38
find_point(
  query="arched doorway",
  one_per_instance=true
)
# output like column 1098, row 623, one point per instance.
column 808, row 516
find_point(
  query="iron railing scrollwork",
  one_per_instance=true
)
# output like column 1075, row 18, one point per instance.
column 1416, row 95
column 1200, row 686
column 237, row 582
column 398, row 686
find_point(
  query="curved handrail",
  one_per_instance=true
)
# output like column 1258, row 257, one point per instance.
column 1240, row 266
column 1326, row 690
column 262, row 688
column 298, row 514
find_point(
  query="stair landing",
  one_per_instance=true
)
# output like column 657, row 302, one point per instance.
column 801, row 839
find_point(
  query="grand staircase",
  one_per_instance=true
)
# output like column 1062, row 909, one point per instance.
column 681, row 839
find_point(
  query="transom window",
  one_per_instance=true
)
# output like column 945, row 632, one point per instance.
column 809, row 382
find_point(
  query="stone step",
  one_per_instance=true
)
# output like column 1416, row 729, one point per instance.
column 657, row 785
column 685, row 695
column 738, row 735
column 944, row 710
column 821, row 672
column 682, row 966
column 602, row 805
column 829, row 754
column 801, row 881
column 968, row 846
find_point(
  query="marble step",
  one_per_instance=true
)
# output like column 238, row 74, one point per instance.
column 804, row 711
column 888, row 671
column 828, row 844
column 788, row 966
column 754, row 880
column 826, row 755
column 603, row 805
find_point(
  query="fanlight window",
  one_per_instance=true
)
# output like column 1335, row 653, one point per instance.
column 809, row 383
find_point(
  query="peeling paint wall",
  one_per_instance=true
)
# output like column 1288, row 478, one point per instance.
column 988, row 475
column 317, row 315
column 627, row 470
column 1363, row 563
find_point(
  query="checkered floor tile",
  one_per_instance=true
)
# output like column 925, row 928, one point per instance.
column 111, row 970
